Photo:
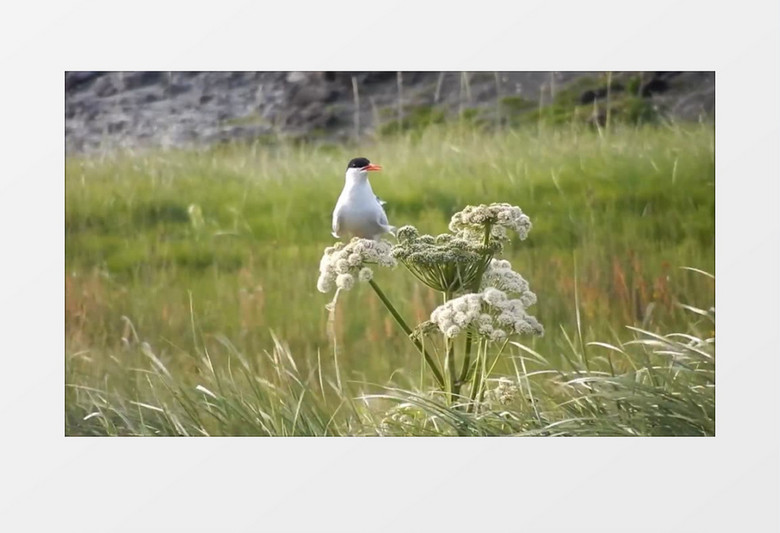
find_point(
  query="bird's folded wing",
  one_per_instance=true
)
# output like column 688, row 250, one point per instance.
column 336, row 222
column 382, row 217
column 384, row 224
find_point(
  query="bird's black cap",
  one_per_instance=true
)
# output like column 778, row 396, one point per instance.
column 358, row 162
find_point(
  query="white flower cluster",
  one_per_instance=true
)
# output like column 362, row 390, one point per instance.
column 499, row 274
column 458, row 314
column 505, row 392
column 490, row 313
column 471, row 222
column 341, row 265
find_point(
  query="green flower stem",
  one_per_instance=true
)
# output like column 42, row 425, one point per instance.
column 477, row 282
column 476, row 381
column 451, row 367
column 466, row 360
column 451, row 357
column 488, row 227
column 483, row 266
column 428, row 359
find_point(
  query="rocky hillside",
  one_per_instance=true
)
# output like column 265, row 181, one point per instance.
column 106, row 111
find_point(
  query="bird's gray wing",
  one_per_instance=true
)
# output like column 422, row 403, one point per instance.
column 382, row 217
column 336, row 222
column 383, row 223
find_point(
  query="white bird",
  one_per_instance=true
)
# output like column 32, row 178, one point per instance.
column 358, row 210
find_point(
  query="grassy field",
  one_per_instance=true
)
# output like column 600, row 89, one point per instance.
column 192, row 308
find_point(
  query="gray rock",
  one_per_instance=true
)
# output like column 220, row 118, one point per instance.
column 134, row 80
column 105, row 86
column 117, row 110
column 79, row 80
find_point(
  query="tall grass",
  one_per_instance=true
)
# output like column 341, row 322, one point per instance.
column 652, row 385
column 185, row 269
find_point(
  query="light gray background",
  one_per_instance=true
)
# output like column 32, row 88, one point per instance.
column 725, row 483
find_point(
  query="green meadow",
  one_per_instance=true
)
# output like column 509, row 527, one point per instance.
column 192, row 307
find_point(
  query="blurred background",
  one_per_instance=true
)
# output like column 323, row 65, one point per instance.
column 108, row 110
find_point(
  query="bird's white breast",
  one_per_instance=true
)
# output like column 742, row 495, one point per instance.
column 358, row 209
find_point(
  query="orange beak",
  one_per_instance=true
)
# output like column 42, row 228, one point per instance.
column 372, row 167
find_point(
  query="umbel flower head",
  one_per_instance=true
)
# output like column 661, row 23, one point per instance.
column 342, row 265
column 497, row 218
column 491, row 314
column 499, row 274
column 446, row 263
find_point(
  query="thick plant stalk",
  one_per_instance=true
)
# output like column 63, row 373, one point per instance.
column 464, row 373
column 484, row 264
column 450, row 358
column 428, row 359
column 478, row 376
column 477, row 282
column 450, row 362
